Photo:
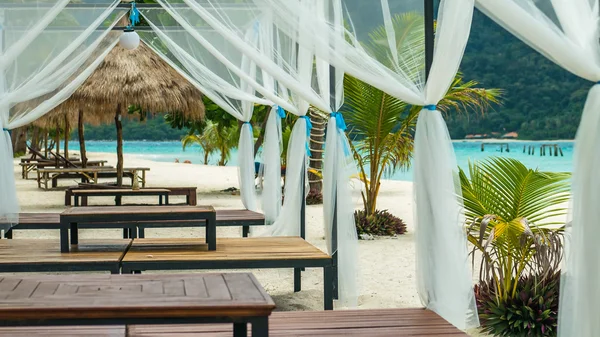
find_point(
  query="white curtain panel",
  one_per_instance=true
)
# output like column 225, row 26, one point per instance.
column 48, row 50
column 567, row 33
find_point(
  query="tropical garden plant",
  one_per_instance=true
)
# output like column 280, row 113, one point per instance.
column 381, row 127
column 511, row 213
column 214, row 138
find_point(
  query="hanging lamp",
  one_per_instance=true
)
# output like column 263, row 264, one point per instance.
column 130, row 39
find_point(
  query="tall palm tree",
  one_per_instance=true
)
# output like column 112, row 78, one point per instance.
column 382, row 126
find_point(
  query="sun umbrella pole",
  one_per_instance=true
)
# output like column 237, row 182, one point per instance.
column 81, row 139
column 119, row 145
column 66, row 137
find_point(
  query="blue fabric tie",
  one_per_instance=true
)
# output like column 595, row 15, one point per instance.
column 280, row 112
column 134, row 15
column 5, row 129
column 339, row 120
column 249, row 124
column 431, row 107
column 308, row 128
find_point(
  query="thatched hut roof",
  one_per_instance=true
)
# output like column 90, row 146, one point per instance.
column 129, row 77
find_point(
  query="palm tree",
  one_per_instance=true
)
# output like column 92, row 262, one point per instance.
column 382, row 126
column 222, row 138
column 207, row 148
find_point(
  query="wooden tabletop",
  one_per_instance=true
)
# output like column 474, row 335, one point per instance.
column 92, row 169
column 122, row 297
column 135, row 210
column 120, row 191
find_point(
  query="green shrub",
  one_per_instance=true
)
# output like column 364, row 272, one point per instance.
column 380, row 223
column 533, row 312
column 314, row 197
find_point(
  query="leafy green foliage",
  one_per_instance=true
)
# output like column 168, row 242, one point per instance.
column 378, row 223
column 534, row 312
column 214, row 138
column 510, row 212
column 542, row 100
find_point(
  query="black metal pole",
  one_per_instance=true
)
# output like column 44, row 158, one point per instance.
column 429, row 36
column 334, row 224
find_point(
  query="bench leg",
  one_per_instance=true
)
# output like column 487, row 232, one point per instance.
column 141, row 232
column 297, row 279
column 245, row 231
column 126, row 234
column 160, row 202
column 64, row 240
column 328, row 287
column 115, row 271
column 74, row 234
column 240, row 329
column 8, row 234
column 76, row 200
column 260, row 327
column 166, row 199
column 335, row 276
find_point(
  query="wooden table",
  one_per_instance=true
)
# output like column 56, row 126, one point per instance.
column 85, row 194
column 136, row 299
column 70, row 218
column 87, row 174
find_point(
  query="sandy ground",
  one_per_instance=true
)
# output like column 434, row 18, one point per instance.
column 387, row 265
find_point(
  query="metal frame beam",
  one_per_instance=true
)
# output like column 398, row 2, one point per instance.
column 429, row 35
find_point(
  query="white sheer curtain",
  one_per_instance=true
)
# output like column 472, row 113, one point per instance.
column 567, row 33
column 444, row 279
column 47, row 51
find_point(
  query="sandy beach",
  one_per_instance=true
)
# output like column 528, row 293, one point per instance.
column 386, row 265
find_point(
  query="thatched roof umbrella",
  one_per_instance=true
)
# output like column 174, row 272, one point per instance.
column 138, row 77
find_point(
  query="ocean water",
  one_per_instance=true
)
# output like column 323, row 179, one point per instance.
column 465, row 152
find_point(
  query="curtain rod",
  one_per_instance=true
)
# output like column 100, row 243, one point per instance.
column 93, row 5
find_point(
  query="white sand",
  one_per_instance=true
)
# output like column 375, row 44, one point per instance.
column 387, row 265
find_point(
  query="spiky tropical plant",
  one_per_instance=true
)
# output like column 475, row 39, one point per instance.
column 207, row 147
column 382, row 126
column 214, row 138
column 511, row 214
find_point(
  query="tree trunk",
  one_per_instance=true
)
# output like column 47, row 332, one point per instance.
column 66, row 137
column 317, row 140
column 57, row 139
column 80, row 131
column 261, row 137
column 46, row 143
column 119, row 145
column 18, row 139
column 35, row 138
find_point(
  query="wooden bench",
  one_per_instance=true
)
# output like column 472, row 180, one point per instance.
column 43, row 255
column 41, row 300
column 37, row 221
column 118, row 193
column 87, row 174
column 402, row 322
column 232, row 253
column 188, row 192
column 31, row 165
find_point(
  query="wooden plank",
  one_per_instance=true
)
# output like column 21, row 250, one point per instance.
column 44, row 251
column 239, row 249
column 377, row 323
column 61, row 331
column 142, row 210
column 110, row 192
column 118, row 297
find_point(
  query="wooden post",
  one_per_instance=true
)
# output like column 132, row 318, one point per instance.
column 119, row 126
column 80, row 131
column 46, row 143
column 66, row 137
column 57, row 139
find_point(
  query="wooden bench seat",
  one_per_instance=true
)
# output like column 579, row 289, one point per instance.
column 189, row 193
column 43, row 255
column 87, row 174
column 232, row 253
column 163, row 194
column 341, row 323
column 244, row 218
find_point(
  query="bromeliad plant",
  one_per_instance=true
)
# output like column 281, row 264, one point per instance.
column 511, row 212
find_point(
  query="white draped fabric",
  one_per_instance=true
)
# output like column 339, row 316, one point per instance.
column 47, row 51
column 567, row 33
column 444, row 280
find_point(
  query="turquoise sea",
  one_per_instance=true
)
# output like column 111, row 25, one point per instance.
column 465, row 151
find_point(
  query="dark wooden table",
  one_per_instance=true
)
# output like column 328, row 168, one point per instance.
column 85, row 194
column 42, row 300
column 70, row 218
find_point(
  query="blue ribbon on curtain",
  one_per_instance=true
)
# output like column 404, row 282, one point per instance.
column 431, row 107
column 280, row 112
column 341, row 125
column 7, row 130
column 134, row 15
column 309, row 127
column 249, row 124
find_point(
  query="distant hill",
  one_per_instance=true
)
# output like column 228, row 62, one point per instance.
column 542, row 101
